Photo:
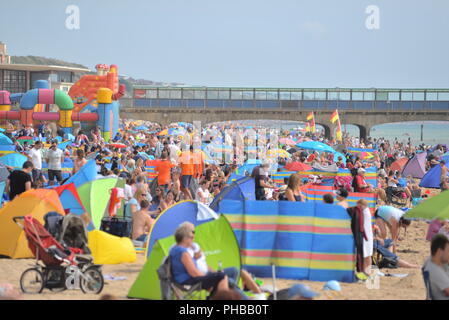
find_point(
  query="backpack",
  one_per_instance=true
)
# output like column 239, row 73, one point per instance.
column 165, row 278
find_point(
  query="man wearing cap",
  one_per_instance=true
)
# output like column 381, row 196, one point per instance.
column 342, row 194
column 360, row 183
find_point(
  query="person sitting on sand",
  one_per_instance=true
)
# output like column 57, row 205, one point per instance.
column 434, row 227
column 293, row 191
column 437, row 269
column 383, row 245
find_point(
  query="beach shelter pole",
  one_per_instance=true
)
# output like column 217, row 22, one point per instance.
column 273, row 268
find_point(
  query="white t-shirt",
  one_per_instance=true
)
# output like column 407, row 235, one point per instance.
column 200, row 263
column 54, row 159
column 204, row 194
column 128, row 192
column 36, row 158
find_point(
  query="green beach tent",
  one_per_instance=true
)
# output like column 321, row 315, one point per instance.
column 435, row 207
column 95, row 197
column 217, row 241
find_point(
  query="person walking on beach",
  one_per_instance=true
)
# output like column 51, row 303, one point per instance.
column 19, row 181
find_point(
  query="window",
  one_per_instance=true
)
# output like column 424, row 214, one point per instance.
column 261, row 95
column 212, row 94
column 418, row 96
column 187, row 94
column 272, row 95
column 164, row 94
column 367, row 95
column 223, row 94
column 175, row 94
column 200, row 94
column 309, row 95
column 381, row 96
column 357, row 95
column 332, row 95
column 248, row 95
column 320, row 95
column 151, row 94
column 284, row 95
column 406, row 96
column 431, row 96
column 443, row 96
column 14, row 81
column 346, row 95
column 236, row 95
column 296, row 95
column 393, row 95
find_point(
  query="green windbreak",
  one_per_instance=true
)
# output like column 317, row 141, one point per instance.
column 95, row 197
column 217, row 241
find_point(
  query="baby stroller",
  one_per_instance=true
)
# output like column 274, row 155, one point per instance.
column 57, row 267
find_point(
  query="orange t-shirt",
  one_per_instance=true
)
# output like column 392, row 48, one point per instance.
column 163, row 168
column 199, row 164
column 187, row 164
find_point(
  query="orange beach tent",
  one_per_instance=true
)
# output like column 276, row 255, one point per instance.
column 39, row 202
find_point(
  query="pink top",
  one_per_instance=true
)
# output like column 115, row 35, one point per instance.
column 434, row 227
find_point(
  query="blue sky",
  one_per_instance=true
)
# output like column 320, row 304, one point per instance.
column 283, row 43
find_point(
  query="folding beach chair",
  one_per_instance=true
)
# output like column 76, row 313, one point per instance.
column 426, row 278
column 170, row 290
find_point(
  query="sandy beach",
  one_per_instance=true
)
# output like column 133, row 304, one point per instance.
column 413, row 249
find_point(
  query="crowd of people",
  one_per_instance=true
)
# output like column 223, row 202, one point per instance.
column 183, row 173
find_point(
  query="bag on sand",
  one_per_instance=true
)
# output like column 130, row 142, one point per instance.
column 120, row 227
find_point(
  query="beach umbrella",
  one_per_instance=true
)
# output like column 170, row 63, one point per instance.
column 287, row 141
column 143, row 128
column 432, row 208
column 163, row 133
column 4, row 140
column 315, row 145
column 297, row 166
column 118, row 145
column 26, row 139
column 280, row 153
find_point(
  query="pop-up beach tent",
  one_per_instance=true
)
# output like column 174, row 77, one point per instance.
column 212, row 232
column 95, row 196
column 399, row 164
column 416, row 166
column 87, row 173
column 433, row 208
column 35, row 202
column 304, row 240
column 15, row 160
column 432, row 178
column 241, row 189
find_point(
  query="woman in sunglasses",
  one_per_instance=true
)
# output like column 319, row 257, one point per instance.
column 184, row 270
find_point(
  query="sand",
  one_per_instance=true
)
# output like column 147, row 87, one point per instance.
column 413, row 249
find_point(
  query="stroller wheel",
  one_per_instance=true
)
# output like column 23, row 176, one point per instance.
column 32, row 281
column 92, row 281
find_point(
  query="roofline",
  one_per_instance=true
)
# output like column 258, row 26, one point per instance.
column 146, row 87
column 38, row 67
